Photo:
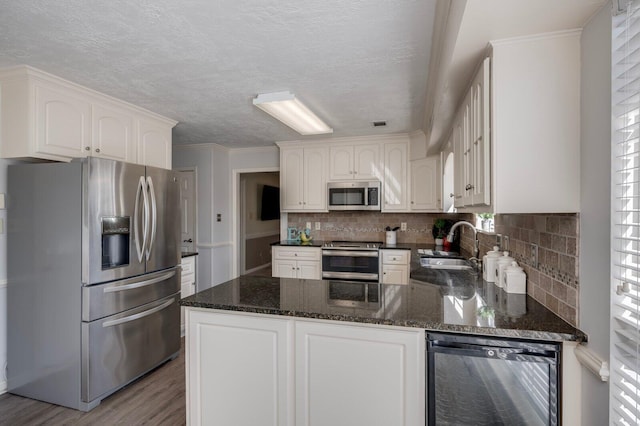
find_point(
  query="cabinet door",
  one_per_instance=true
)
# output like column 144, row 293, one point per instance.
column 396, row 177
column 341, row 163
column 425, row 189
column 467, row 157
column 309, row 270
column 154, row 144
column 62, row 122
column 112, row 134
column 458, row 159
column 239, row 370
column 367, row 162
column 284, row 269
column 291, row 178
column 349, row 375
column 315, row 179
column 481, row 191
column 395, row 274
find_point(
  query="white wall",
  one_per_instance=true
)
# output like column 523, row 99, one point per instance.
column 213, row 240
column 595, row 207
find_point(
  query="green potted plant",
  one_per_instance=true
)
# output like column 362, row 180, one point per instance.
column 439, row 225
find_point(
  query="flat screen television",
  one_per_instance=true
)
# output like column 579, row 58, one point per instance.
column 270, row 203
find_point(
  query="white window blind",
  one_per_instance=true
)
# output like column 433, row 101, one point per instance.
column 625, row 303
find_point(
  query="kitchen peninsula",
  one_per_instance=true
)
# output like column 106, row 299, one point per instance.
column 329, row 352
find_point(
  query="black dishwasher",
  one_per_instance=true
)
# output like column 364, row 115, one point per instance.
column 477, row 380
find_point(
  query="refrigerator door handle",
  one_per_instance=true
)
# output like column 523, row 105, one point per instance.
column 136, row 216
column 137, row 316
column 154, row 215
column 139, row 284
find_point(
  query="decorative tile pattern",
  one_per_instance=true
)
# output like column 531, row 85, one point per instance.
column 370, row 226
column 555, row 282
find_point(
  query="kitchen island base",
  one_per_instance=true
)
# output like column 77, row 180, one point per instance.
column 248, row 369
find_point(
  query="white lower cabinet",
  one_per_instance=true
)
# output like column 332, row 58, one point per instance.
column 296, row 262
column 359, row 375
column 239, row 369
column 187, row 283
column 252, row 369
column 395, row 267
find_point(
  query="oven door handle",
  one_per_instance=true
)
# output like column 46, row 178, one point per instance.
column 350, row 253
column 546, row 357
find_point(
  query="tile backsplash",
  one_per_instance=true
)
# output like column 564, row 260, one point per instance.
column 555, row 281
column 369, row 226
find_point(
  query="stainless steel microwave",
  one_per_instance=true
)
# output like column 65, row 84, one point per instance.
column 354, row 195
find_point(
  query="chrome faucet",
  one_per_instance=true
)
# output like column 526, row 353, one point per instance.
column 476, row 244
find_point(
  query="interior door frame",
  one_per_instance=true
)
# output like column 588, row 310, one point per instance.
column 195, row 209
column 236, row 211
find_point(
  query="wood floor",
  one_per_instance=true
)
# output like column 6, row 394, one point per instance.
column 156, row 399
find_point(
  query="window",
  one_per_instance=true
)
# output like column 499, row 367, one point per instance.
column 625, row 302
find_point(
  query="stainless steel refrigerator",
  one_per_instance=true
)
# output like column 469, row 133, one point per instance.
column 93, row 277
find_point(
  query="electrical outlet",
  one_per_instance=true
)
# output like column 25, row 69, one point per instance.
column 219, row 217
column 403, row 226
column 317, row 226
column 505, row 239
column 308, row 225
column 534, row 255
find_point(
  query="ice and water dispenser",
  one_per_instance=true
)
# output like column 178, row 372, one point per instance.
column 115, row 241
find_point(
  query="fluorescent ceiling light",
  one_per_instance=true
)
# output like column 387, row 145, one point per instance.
column 285, row 107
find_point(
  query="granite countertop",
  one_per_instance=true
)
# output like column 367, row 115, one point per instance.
column 455, row 301
column 295, row 243
column 189, row 253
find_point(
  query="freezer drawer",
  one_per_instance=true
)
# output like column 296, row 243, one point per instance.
column 102, row 300
column 119, row 348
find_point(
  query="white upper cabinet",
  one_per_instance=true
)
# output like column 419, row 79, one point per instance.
column 112, row 134
column 471, row 144
column 46, row 117
column 154, row 144
column 516, row 136
column 426, row 187
column 395, row 193
column 361, row 162
column 303, row 179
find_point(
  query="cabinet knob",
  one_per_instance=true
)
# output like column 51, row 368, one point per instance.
column 295, row 254
column 452, row 195
column 300, row 202
column 97, row 149
column 86, row 148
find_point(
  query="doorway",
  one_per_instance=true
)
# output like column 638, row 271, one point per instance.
column 259, row 221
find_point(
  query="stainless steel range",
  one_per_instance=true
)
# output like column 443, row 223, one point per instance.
column 351, row 260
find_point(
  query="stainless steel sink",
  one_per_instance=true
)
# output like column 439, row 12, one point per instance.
column 444, row 263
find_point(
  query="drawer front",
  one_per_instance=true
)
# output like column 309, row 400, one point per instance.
column 188, row 265
column 395, row 257
column 121, row 347
column 99, row 301
column 307, row 253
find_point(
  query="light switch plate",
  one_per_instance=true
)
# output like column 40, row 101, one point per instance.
column 403, row 226
column 317, row 226
column 2, row 207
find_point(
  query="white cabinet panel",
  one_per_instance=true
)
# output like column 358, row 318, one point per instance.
column 112, row 134
column 426, row 186
column 361, row 162
column 239, row 370
column 395, row 194
column 303, row 176
column 349, row 375
column 154, row 144
column 395, row 267
column 63, row 122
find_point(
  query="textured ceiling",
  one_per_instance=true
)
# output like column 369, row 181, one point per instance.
column 202, row 61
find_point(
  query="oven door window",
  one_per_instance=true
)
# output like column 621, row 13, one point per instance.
column 347, row 197
column 352, row 264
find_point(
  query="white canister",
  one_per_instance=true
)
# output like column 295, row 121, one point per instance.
column 501, row 263
column 514, row 279
column 391, row 238
column 489, row 264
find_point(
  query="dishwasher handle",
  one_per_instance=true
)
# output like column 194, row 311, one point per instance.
column 502, row 353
